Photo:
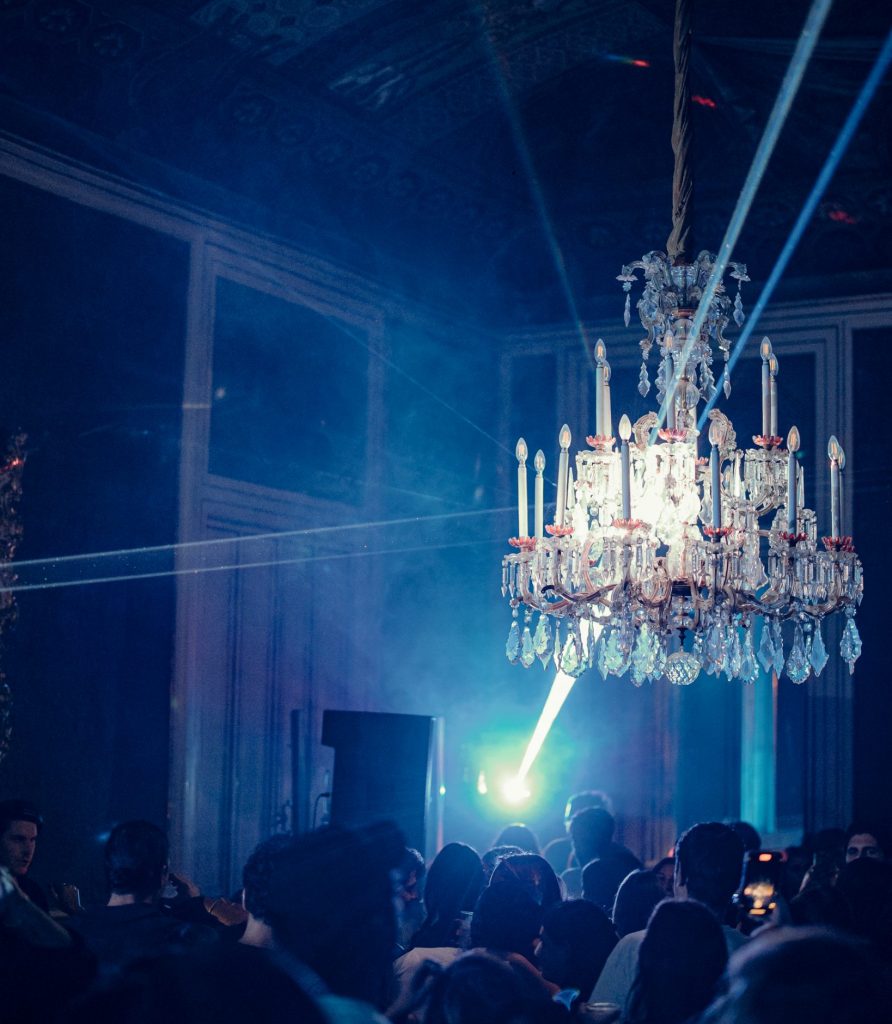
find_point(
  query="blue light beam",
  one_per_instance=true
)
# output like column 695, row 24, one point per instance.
column 845, row 136
column 808, row 39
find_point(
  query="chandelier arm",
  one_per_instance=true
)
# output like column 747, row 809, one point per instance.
column 680, row 246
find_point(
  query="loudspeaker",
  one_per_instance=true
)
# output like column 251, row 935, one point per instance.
column 387, row 768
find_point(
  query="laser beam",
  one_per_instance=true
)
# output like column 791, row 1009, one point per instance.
column 789, row 87
column 845, row 136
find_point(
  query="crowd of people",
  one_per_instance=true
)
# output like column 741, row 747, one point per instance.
column 349, row 926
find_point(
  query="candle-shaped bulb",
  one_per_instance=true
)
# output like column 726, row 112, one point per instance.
column 834, row 449
column 773, row 365
column 625, row 427
column 793, row 440
column 600, row 351
column 842, row 456
column 539, row 461
column 521, row 451
column 765, row 350
column 716, row 433
column 564, row 438
column 539, row 493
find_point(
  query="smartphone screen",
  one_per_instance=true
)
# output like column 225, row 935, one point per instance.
column 759, row 885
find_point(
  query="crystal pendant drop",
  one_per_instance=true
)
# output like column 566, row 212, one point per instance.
column 726, row 383
column 778, row 647
column 748, row 668
column 850, row 645
column 627, row 313
column 798, row 667
column 818, row 654
column 601, row 657
column 643, row 381
column 527, row 650
column 738, row 308
column 682, row 668
column 543, row 640
column 766, row 647
column 512, row 645
column 715, row 650
column 735, row 654
column 570, row 657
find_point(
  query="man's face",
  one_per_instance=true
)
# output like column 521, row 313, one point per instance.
column 666, row 878
column 17, row 846
column 863, row 844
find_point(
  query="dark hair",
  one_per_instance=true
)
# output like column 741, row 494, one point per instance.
column 869, row 828
column 867, row 885
column 454, row 881
column 821, row 905
column 591, row 831
column 638, row 894
column 680, row 961
column 491, row 858
column 331, row 906
column 412, row 861
column 601, row 880
column 518, row 834
column 481, row 989
column 19, row 810
column 709, row 858
column 257, row 872
column 535, row 873
column 584, row 938
column 748, row 835
column 803, row 974
column 507, row 919
column 136, row 855
column 587, row 798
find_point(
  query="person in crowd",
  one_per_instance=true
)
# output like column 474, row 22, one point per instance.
column 227, row 985
column 813, row 975
column 866, row 884
column 132, row 923
column 506, row 923
column 20, row 825
column 483, row 989
column 708, row 862
column 412, row 872
column 41, row 967
column 600, row 884
column 330, row 906
column 591, row 832
column 638, row 894
column 455, row 880
column 664, row 869
column 559, row 852
column 822, row 905
column 864, row 839
column 680, row 961
column 535, row 873
column 576, row 939
column 256, row 876
column 520, row 835
column 748, row 835
column 491, row 858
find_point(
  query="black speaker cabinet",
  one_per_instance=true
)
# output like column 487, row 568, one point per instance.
column 387, row 768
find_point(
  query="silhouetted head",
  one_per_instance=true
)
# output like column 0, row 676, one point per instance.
column 748, row 835
column 258, row 871
column 331, row 905
column 600, row 881
column 491, row 858
column 454, row 881
column 519, row 835
column 535, row 873
column 812, row 975
column 865, row 839
column 866, row 883
column 20, row 825
column 708, row 861
column 136, row 856
column 481, row 989
column 591, row 831
column 638, row 894
column 506, row 919
column 586, row 798
column 680, row 962
column 665, row 872
column 577, row 938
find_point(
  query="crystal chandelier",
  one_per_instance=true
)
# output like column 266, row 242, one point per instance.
column 660, row 562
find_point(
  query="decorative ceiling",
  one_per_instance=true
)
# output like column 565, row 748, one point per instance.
column 499, row 154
